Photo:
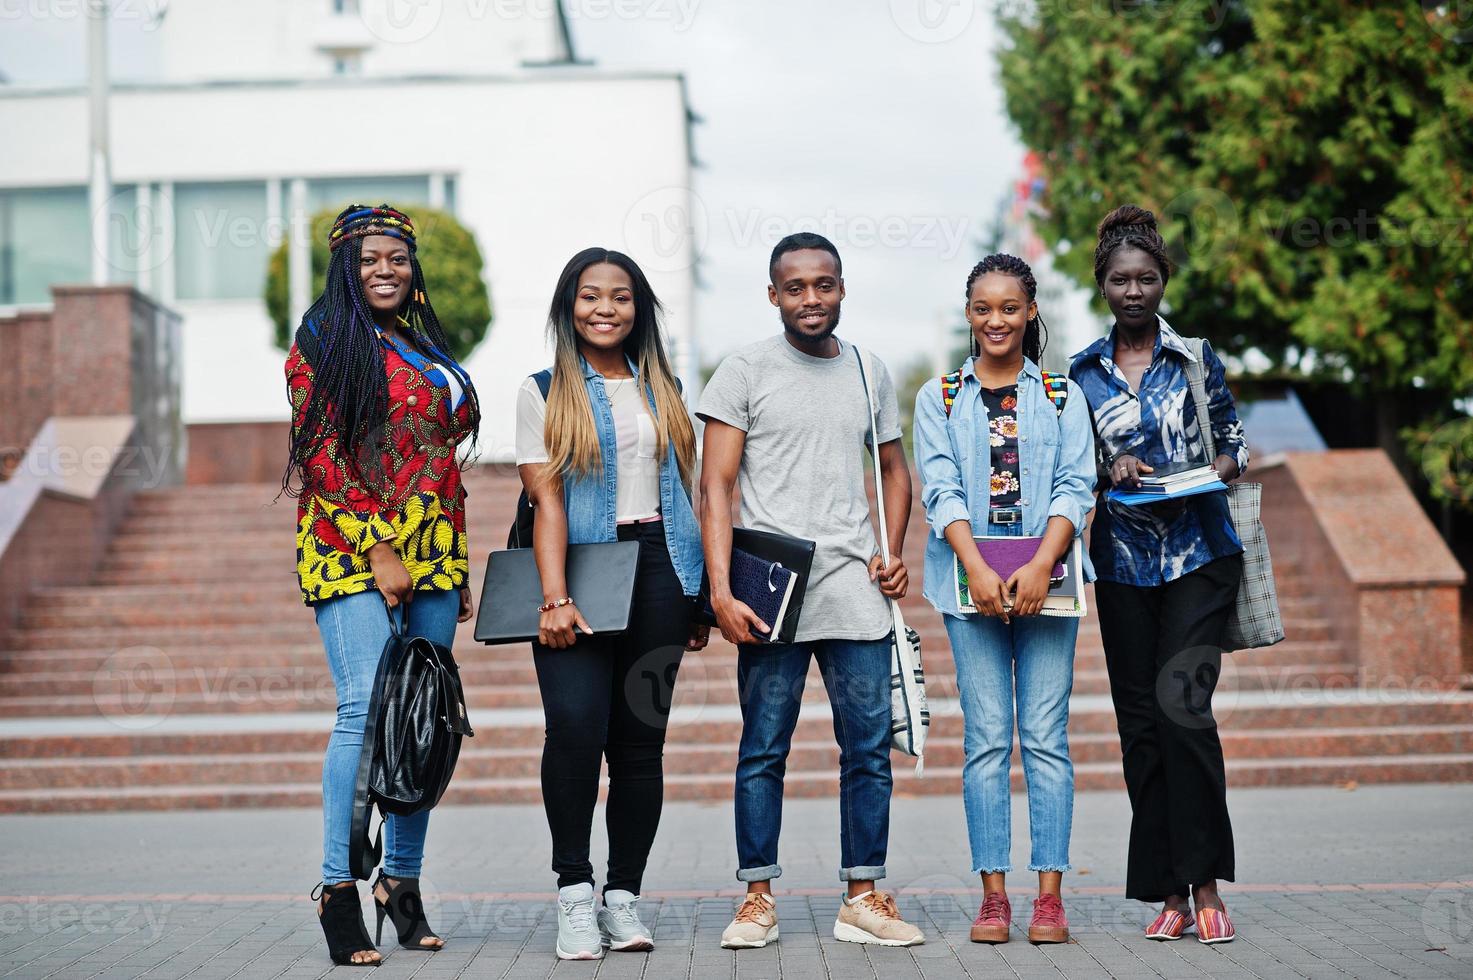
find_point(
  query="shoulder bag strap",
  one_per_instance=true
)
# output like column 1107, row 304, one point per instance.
column 364, row 854
column 874, row 441
column 1197, row 379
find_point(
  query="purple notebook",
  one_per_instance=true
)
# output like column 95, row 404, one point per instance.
column 1006, row 555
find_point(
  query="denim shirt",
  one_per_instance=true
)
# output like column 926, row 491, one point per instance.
column 1056, row 458
column 589, row 499
column 1159, row 543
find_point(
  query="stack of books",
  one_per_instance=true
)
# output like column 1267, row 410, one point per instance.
column 1169, row 483
column 1168, row 480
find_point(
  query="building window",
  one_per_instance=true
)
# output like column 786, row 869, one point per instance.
column 345, row 6
column 338, row 192
column 220, row 240
column 45, row 240
column 347, row 64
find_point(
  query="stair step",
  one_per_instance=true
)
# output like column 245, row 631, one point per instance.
column 717, row 787
column 502, row 684
column 817, row 757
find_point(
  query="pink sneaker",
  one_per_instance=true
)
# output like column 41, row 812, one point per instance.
column 994, row 919
column 1048, row 924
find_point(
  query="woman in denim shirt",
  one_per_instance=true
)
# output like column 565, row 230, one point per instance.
column 608, row 456
column 1007, row 460
column 1169, row 576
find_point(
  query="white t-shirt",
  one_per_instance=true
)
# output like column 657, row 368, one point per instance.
column 637, row 480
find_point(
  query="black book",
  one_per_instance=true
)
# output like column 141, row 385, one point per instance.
column 600, row 581
column 765, row 549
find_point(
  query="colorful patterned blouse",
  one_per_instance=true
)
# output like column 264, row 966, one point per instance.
column 419, row 504
column 1159, row 543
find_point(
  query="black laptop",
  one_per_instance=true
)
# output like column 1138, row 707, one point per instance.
column 600, row 581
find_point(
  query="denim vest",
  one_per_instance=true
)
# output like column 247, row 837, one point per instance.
column 1056, row 462
column 589, row 499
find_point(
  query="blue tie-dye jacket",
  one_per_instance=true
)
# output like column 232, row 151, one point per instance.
column 1159, row 543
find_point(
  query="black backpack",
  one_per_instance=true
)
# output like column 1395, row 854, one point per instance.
column 411, row 737
column 520, row 535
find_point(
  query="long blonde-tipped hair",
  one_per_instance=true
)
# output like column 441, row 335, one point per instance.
column 569, row 430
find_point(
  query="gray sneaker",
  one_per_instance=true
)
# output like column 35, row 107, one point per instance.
column 619, row 925
column 577, row 928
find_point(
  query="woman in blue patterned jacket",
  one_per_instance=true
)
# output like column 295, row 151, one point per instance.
column 1168, row 577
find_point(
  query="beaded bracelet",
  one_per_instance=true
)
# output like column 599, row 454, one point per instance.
column 555, row 604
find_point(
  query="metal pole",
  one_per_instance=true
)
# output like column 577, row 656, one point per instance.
column 100, row 176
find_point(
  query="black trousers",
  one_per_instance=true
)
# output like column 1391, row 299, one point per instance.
column 609, row 697
column 1163, row 651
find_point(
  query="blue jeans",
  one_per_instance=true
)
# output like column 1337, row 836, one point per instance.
column 354, row 630
column 770, row 681
column 1030, row 660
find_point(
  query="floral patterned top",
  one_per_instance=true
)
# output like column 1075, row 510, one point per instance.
column 419, row 503
column 1002, row 436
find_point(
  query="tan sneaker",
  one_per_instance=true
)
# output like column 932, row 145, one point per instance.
column 873, row 918
column 755, row 924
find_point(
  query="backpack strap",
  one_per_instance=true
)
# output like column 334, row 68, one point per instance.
column 951, row 386
column 544, row 381
column 1056, row 387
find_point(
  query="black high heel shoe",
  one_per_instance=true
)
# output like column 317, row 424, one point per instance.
column 342, row 923
column 407, row 910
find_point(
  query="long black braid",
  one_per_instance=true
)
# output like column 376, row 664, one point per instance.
column 1035, row 334
column 349, row 397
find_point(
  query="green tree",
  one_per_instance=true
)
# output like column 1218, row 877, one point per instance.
column 452, row 267
column 1312, row 165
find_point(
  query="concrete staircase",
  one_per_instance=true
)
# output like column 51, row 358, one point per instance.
column 190, row 675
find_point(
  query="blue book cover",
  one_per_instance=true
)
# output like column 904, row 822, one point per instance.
column 765, row 586
column 1133, row 499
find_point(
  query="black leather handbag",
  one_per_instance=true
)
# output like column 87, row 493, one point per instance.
column 411, row 737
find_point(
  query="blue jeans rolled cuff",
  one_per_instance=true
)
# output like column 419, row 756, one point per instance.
column 766, row 873
column 865, row 872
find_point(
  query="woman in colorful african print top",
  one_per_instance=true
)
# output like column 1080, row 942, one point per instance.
column 379, row 407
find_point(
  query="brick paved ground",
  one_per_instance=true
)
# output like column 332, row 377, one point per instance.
column 1374, row 882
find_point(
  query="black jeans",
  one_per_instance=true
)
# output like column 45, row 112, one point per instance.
column 1163, row 650
column 609, row 697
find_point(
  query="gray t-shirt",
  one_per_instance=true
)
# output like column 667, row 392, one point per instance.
column 803, row 473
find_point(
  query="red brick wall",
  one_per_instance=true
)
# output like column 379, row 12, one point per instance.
column 236, row 452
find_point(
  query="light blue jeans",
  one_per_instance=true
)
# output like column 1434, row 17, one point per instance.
column 354, row 630
column 1030, row 661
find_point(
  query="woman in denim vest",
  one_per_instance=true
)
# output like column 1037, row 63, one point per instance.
column 1006, row 457
column 608, row 456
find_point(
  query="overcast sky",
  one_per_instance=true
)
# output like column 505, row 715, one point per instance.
column 850, row 117
column 876, row 122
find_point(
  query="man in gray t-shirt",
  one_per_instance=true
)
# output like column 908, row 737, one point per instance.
column 787, row 419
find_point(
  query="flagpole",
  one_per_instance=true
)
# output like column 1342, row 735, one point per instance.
column 99, row 185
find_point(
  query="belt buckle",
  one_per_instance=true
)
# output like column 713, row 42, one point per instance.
column 1007, row 515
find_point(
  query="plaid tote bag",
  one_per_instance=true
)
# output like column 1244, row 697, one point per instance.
column 1255, row 621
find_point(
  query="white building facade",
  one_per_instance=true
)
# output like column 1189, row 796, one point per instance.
column 484, row 115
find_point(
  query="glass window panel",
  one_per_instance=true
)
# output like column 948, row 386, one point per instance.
column 338, row 192
column 450, row 194
column 220, row 247
column 45, row 240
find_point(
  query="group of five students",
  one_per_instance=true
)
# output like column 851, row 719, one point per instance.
column 609, row 453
